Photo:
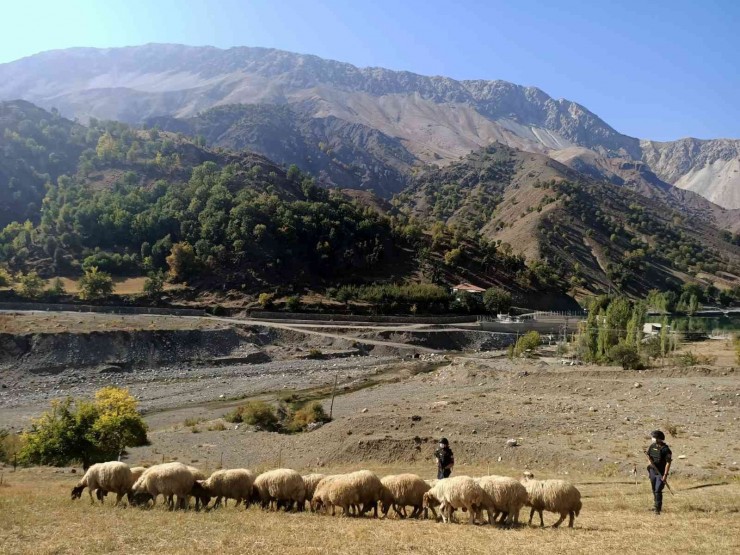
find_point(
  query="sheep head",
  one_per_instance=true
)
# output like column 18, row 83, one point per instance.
column 77, row 492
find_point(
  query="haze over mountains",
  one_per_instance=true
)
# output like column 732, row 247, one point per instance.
column 374, row 126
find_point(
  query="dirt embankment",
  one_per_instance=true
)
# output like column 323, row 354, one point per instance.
column 54, row 352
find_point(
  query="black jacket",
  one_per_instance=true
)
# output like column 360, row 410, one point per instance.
column 444, row 457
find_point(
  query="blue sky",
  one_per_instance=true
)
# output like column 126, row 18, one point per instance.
column 652, row 69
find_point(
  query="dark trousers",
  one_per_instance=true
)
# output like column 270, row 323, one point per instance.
column 443, row 473
column 656, row 479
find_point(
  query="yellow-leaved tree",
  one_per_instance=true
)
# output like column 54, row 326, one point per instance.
column 76, row 430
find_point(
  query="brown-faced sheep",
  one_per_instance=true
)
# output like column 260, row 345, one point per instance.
column 407, row 490
column 171, row 480
column 508, row 496
column 235, row 484
column 110, row 476
column 555, row 496
column 283, row 486
column 460, row 492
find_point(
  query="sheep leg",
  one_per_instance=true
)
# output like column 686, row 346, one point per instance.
column 542, row 520
column 571, row 518
column 531, row 515
column 560, row 520
column 119, row 496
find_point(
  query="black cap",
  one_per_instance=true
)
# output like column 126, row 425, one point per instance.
column 444, row 441
column 657, row 434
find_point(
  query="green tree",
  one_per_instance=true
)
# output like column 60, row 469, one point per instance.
column 182, row 262
column 154, row 284
column 5, row 278
column 496, row 300
column 95, row 285
column 452, row 257
column 30, row 285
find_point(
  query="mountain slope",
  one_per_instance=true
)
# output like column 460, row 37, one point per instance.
column 591, row 234
column 436, row 119
column 337, row 152
column 229, row 221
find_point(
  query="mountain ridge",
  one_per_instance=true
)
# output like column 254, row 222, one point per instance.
column 437, row 118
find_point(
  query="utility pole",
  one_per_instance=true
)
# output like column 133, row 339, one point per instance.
column 333, row 393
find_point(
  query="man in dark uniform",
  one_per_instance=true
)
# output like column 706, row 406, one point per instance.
column 445, row 459
column 660, row 455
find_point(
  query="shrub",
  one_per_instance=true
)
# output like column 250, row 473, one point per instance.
column 315, row 354
column 154, row 284
column 30, row 285
column 88, row 432
column 95, row 285
column 265, row 300
column 626, row 355
column 10, row 446
column 307, row 414
column 527, row 344
column 255, row 413
column 5, row 277
column 293, row 304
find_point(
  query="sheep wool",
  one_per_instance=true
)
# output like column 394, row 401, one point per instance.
column 362, row 488
column 459, row 492
column 310, row 481
column 508, row 496
column 235, row 483
column 283, row 486
column 406, row 490
column 108, row 476
column 169, row 479
column 555, row 496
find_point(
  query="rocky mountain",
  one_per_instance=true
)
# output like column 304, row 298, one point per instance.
column 433, row 119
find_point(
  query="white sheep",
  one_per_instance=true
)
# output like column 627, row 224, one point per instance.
column 105, row 477
column 135, row 473
column 357, row 489
column 310, row 481
column 171, row 480
column 319, row 499
column 508, row 496
column 459, row 492
column 282, row 486
column 555, row 496
column 235, row 483
column 407, row 490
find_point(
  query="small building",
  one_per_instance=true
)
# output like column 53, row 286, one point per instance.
column 468, row 288
column 653, row 329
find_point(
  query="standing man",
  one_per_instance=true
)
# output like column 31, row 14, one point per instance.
column 660, row 458
column 445, row 459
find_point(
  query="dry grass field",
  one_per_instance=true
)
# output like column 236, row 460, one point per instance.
column 38, row 517
column 121, row 286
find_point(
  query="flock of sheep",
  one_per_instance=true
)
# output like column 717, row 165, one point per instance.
column 356, row 493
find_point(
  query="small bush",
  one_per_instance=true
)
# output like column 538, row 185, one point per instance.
column 315, row 354
column 265, row 300
column 527, row 344
column 308, row 414
column 293, row 304
column 255, row 413
column 687, row 359
column 626, row 355
column 192, row 421
column 217, row 427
